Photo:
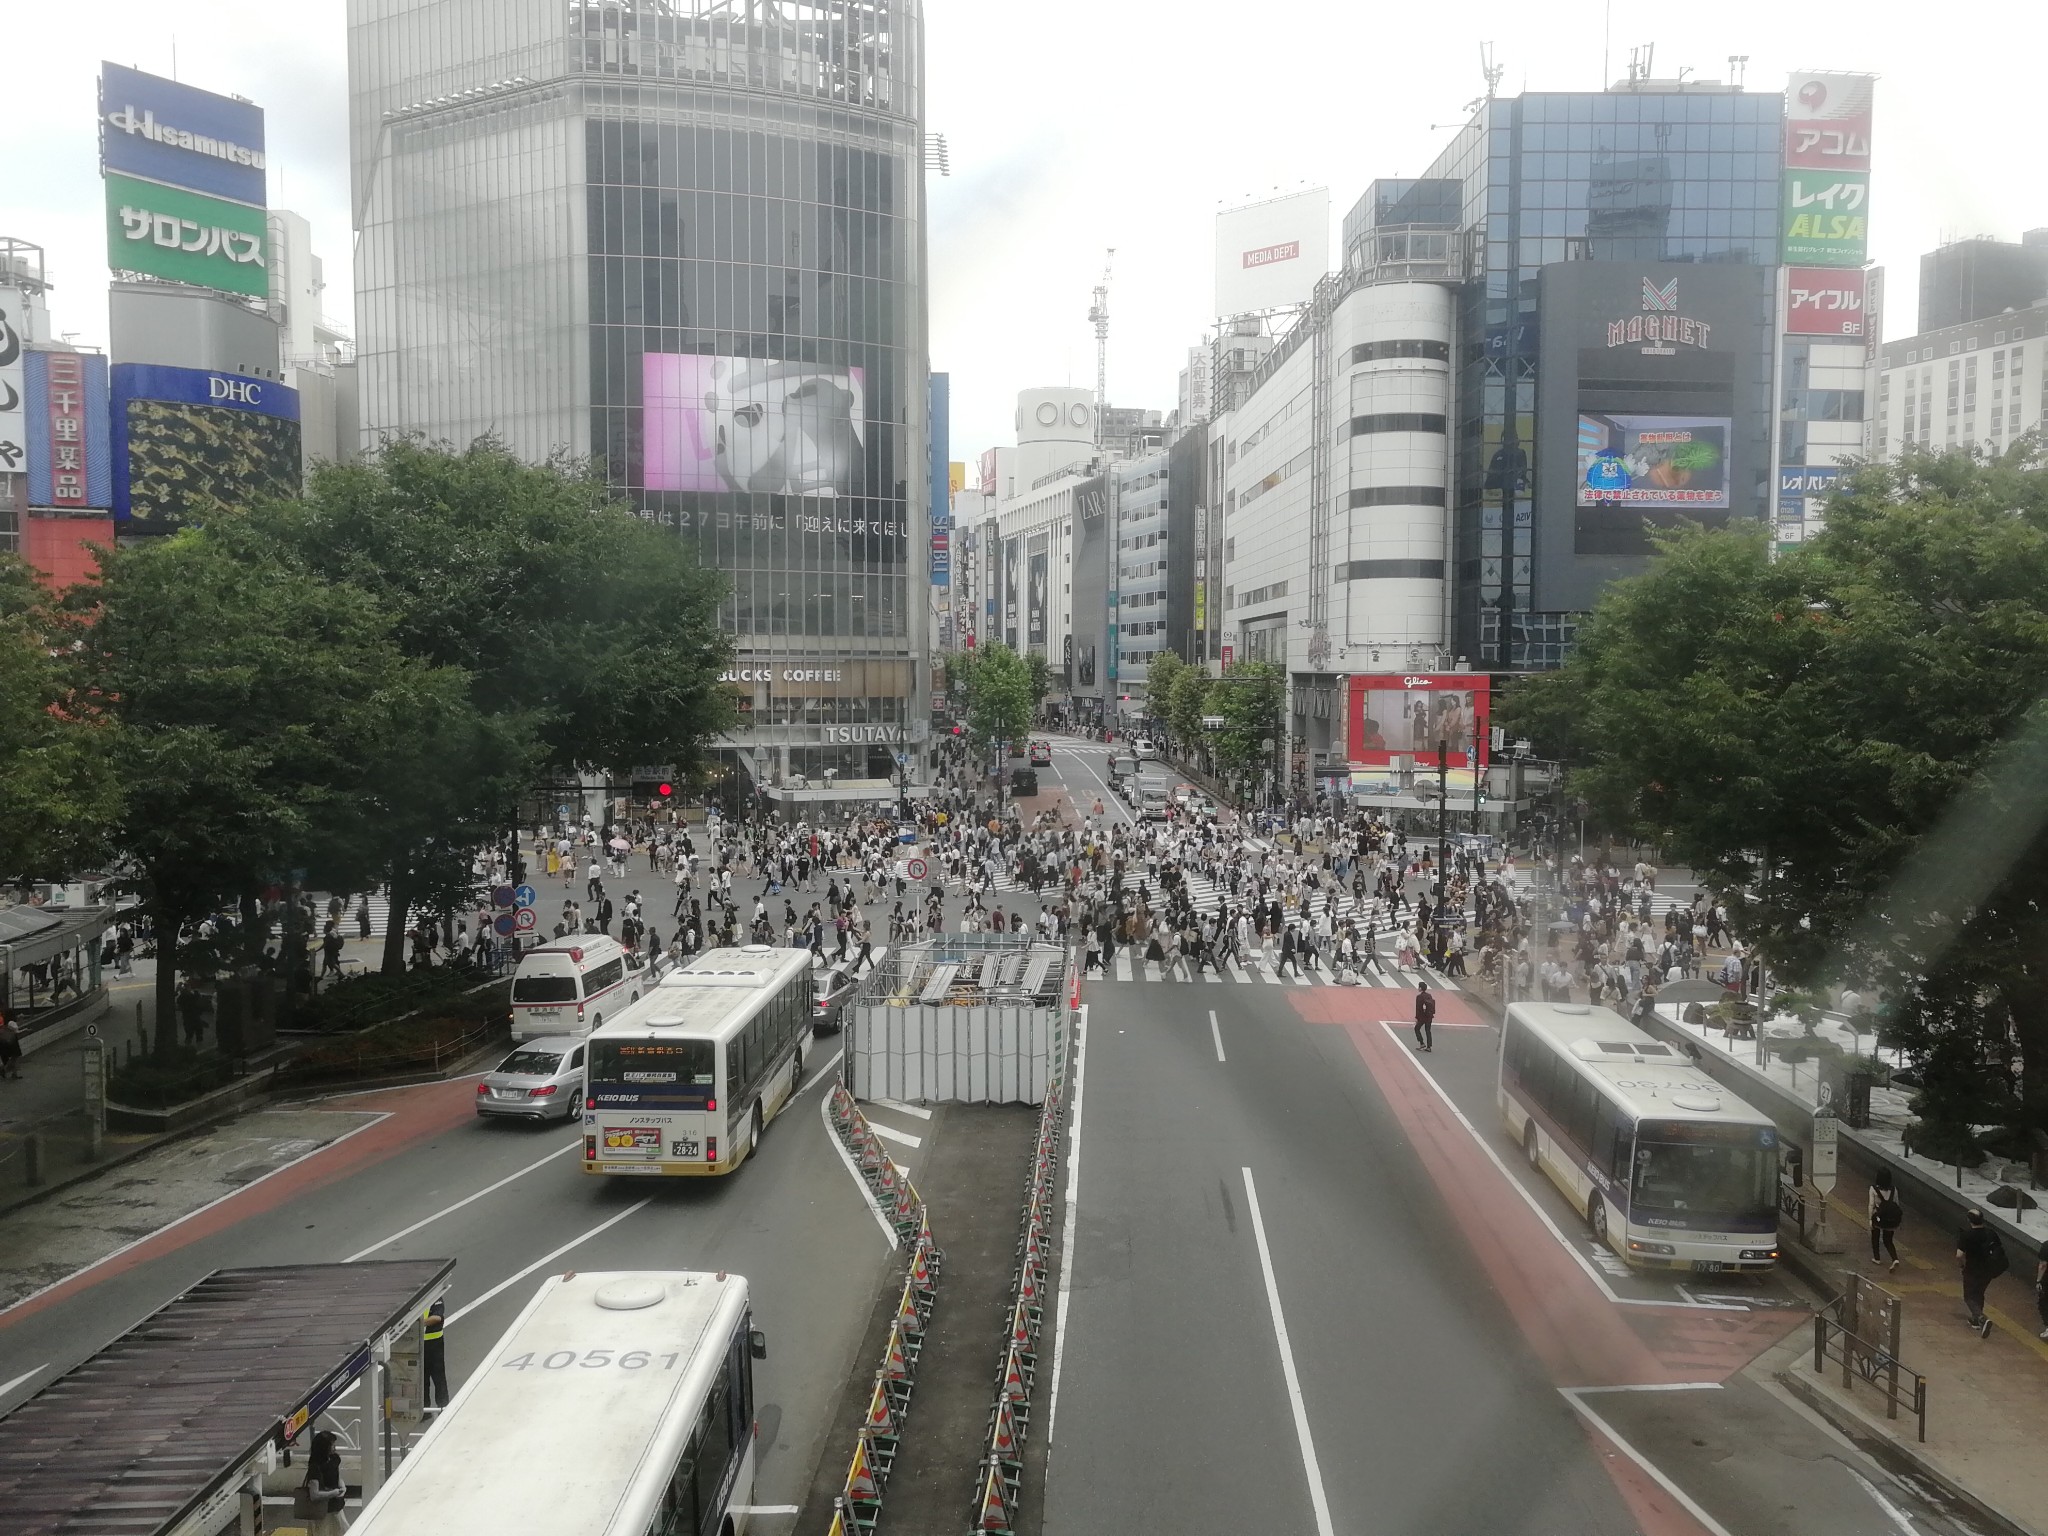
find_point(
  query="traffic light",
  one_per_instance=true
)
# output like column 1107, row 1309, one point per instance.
column 664, row 791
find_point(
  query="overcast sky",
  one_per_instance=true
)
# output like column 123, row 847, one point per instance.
column 1077, row 125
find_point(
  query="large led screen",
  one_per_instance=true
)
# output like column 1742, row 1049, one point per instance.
column 192, row 441
column 1653, row 461
column 1412, row 715
column 752, row 424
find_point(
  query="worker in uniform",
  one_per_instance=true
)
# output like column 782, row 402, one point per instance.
column 434, row 1359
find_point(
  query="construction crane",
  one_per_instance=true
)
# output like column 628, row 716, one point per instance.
column 1098, row 316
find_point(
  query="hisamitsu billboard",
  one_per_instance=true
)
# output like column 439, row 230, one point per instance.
column 179, row 136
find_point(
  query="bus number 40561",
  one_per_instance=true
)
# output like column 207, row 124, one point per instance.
column 591, row 1360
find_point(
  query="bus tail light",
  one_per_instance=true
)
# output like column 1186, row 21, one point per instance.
column 710, row 1149
column 710, row 1104
column 590, row 1149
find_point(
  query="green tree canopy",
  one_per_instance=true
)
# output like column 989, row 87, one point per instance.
column 1251, row 697
column 1848, row 741
column 1160, row 673
column 59, row 793
column 998, row 688
column 1187, row 702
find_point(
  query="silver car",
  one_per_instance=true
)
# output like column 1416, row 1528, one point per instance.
column 541, row 1080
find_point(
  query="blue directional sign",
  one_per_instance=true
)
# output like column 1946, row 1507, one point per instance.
column 523, row 896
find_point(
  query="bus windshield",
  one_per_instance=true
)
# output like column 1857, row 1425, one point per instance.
column 1698, row 1180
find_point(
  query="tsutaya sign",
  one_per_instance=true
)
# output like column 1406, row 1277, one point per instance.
column 1659, row 324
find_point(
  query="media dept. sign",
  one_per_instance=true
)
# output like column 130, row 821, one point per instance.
column 185, row 181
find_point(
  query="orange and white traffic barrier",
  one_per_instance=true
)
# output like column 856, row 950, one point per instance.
column 993, row 1511
column 862, row 1487
column 1006, row 1436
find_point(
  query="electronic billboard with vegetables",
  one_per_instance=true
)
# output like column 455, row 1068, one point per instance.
column 1653, row 461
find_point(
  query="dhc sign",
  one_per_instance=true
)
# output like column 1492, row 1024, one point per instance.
column 247, row 392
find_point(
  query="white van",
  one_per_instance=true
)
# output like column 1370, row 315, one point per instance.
column 570, row 986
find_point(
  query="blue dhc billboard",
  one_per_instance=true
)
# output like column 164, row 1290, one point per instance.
column 189, row 440
column 180, row 136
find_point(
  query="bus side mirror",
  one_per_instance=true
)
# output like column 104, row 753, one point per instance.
column 757, row 1343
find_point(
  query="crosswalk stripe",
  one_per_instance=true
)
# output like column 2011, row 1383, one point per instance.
column 1123, row 965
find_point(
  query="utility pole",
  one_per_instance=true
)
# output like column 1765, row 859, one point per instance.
column 1098, row 315
column 1443, row 844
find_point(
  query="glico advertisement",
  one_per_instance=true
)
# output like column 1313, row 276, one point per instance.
column 1413, row 714
column 189, row 441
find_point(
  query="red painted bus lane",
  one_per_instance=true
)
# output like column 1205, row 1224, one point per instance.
column 411, row 1115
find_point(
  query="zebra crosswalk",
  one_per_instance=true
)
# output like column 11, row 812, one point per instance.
column 1252, row 970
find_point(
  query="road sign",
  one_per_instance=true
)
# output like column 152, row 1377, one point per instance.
column 525, row 920
column 915, row 869
column 501, row 895
column 1822, row 1169
column 502, row 924
column 902, row 758
column 561, row 810
column 92, row 1031
column 523, row 896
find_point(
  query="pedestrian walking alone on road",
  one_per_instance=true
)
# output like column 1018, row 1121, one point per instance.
column 434, row 1360
column 1885, row 1216
column 1425, row 1018
column 1980, row 1256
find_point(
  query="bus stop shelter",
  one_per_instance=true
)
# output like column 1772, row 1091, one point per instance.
column 171, row 1428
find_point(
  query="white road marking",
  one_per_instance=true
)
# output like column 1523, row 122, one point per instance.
column 1572, row 1396
column 575, row 1242
column 889, row 1133
column 26, row 1376
column 449, row 1210
column 1892, row 1512
column 1123, row 965
column 1656, row 1386
column 1108, row 795
column 846, row 1157
column 1059, row 1326
column 1530, row 1200
column 902, row 1108
column 1317, row 1498
column 379, row 1118
column 1216, row 1034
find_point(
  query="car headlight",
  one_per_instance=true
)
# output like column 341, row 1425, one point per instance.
column 1663, row 1250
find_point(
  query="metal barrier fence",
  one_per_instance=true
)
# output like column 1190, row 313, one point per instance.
column 858, row 1504
column 1874, row 1364
column 999, row 1478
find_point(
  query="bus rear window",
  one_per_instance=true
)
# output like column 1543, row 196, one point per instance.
column 654, row 1063
column 544, row 989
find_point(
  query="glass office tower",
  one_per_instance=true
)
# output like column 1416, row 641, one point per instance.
column 683, row 238
column 1659, row 173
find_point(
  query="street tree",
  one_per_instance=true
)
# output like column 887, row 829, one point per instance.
column 1160, row 673
column 59, row 793
column 1186, row 703
column 591, row 638
column 1848, row 742
column 998, row 688
column 1041, row 678
column 247, row 704
column 1252, row 699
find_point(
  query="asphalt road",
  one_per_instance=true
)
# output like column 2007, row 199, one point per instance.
column 1311, row 1289
column 490, row 1196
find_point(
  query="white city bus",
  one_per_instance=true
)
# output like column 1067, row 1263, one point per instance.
column 617, row 1405
column 1671, row 1170
column 685, row 1080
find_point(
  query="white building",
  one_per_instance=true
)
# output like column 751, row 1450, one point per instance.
column 1983, row 382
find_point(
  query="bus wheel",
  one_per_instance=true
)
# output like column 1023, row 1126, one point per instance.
column 1530, row 1148
column 1596, row 1218
column 751, row 1145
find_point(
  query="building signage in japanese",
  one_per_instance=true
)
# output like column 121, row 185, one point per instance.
column 1824, row 301
column 186, row 237
column 69, row 465
column 1824, row 214
column 13, row 381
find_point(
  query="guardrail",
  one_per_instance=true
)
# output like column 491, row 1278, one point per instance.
column 1860, row 1357
column 858, row 1504
column 999, row 1480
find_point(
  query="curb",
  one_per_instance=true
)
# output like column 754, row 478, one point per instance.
column 111, row 1161
column 1897, row 1457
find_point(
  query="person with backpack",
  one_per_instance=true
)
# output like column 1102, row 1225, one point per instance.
column 1980, row 1256
column 1886, row 1216
column 1425, row 1018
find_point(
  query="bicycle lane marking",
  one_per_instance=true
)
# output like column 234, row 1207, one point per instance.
column 408, row 1116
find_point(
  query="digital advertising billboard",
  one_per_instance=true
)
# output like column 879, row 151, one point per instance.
column 190, row 441
column 1653, row 461
column 1410, row 714
column 1273, row 253
column 752, row 424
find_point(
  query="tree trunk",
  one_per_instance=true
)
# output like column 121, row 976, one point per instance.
column 2029, row 1005
column 166, row 982
column 394, row 924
